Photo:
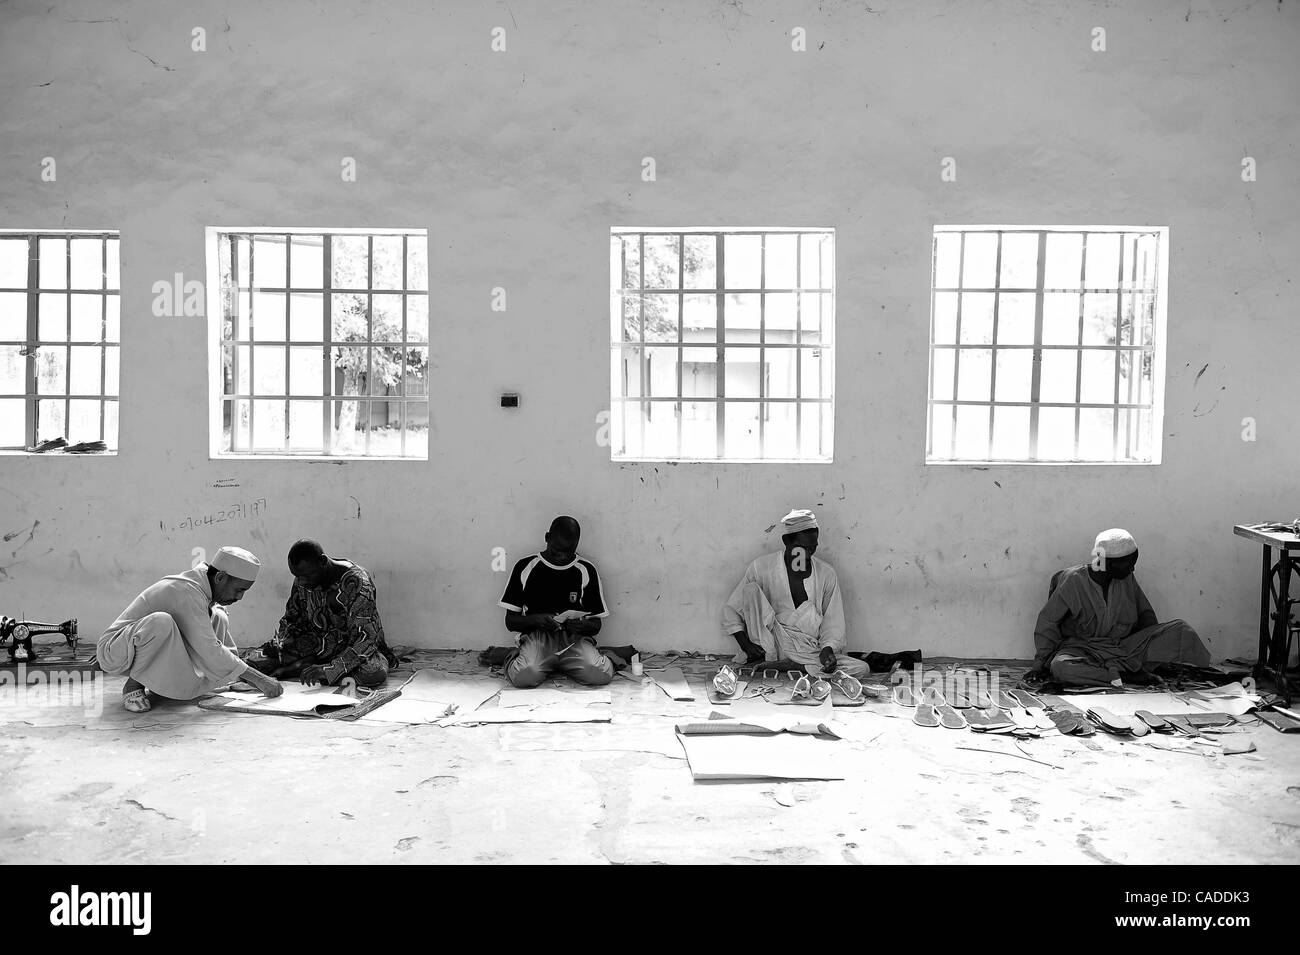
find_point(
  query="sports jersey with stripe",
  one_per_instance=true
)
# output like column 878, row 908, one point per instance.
column 538, row 586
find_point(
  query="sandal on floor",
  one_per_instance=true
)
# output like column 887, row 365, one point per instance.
column 1004, row 700
column 1027, row 699
column 851, row 687
column 925, row 715
column 933, row 696
column 1153, row 721
column 1001, row 720
column 820, row 689
column 137, row 701
column 951, row 719
column 904, row 696
column 802, row 689
column 725, row 681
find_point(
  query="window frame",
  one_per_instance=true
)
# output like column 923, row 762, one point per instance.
column 216, row 318
column 620, row 400
column 1157, row 347
column 34, row 343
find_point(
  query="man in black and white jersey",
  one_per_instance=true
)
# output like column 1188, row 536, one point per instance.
column 554, row 602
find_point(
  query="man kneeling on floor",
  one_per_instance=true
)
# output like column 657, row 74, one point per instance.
column 788, row 605
column 554, row 602
column 331, row 627
column 1098, row 627
column 174, row 638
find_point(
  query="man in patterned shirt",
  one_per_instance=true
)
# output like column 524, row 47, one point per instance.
column 331, row 627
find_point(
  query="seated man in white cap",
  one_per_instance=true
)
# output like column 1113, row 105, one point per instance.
column 1098, row 627
column 174, row 638
column 331, row 629
column 788, row 606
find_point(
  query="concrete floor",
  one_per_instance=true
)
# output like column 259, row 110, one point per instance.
column 180, row 784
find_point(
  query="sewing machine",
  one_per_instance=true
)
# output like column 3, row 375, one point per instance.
column 16, row 637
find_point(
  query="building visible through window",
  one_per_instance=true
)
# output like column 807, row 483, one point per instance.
column 722, row 344
column 321, row 343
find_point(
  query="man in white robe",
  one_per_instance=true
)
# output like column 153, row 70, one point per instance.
column 174, row 638
column 788, row 606
column 1099, row 629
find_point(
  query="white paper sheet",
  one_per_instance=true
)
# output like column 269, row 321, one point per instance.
column 552, row 697
column 430, row 695
column 295, row 699
column 526, row 714
column 793, row 719
column 763, row 757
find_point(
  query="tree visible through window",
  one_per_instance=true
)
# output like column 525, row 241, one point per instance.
column 324, row 343
column 722, row 345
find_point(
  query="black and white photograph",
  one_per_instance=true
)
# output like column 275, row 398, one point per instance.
column 691, row 432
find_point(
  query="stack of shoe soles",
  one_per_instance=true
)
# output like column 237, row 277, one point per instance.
column 1017, row 712
column 1139, row 724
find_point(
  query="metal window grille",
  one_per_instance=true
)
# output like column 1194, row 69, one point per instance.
column 324, row 343
column 59, row 338
column 1046, row 345
column 722, row 344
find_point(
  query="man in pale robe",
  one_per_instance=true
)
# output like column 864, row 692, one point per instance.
column 174, row 638
column 1099, row 629
column 788, row 606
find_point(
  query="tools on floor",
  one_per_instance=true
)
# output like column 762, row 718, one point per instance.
column 16, row 637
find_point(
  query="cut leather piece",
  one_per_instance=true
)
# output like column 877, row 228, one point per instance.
column 905, row 696
column 820, row 690
column 1180, row 725
column 1108, row 721
column 1071, row 724
column 951, row 719
column 988, row 720
column 926, row 715
column 1042, row 719
column 1020, row 716
column 1155, row 722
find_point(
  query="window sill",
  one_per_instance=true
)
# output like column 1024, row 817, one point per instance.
column 985, row 465
column 313, row 458
column 58, row 454
column 722, row 460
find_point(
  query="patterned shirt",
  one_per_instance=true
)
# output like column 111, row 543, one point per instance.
column 336, row 626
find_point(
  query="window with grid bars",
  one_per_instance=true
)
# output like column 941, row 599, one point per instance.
column 321, row 343
column 722, row 344
column 1047, row 344
column 59, row 340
